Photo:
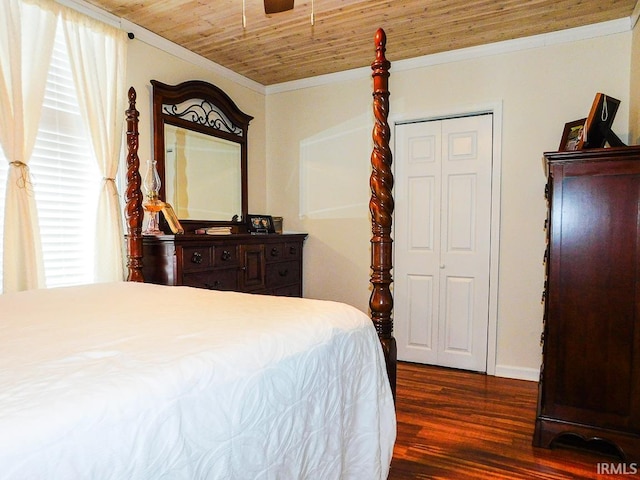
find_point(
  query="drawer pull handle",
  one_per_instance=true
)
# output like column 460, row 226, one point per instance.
column 226, row 255
column 283, row 273
column 293, row 250
column 216, row 284
column 196, row 258
column 275, row 252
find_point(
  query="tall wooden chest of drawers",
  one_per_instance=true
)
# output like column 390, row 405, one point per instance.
column 590, row 379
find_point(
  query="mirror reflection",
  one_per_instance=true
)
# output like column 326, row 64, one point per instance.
column 202, row 175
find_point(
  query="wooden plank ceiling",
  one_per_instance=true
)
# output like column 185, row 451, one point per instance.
column 286, row 46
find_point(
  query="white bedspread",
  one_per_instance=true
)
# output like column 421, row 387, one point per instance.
column 138, row 381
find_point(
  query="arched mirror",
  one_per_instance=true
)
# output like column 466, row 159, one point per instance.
column 200, row 144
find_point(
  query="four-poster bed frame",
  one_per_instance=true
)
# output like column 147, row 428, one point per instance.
column 193, row 383
column 381, row 205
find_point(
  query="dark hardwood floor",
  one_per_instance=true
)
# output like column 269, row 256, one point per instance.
column 463, row 425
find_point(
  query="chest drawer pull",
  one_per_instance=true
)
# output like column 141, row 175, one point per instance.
column 226, row 255
column 275, row 252
column 196, row 258
column 213, row 286
column 283, row 273
column 293, row 250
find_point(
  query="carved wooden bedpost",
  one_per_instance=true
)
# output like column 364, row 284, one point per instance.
column 133, row 196
column 381, row 207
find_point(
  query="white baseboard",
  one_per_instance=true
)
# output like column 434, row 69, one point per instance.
column 519, row 373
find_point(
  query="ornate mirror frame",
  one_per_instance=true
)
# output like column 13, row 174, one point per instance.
column 214, row 114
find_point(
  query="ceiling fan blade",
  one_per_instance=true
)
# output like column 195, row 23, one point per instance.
column 277, row 6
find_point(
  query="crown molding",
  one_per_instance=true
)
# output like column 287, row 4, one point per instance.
column 520, row 44
column 150, row 38
column 182, row 53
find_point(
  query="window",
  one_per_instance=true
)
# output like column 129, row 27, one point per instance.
column 65, row 179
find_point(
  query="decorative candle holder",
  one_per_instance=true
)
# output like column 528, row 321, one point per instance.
column 152, row 203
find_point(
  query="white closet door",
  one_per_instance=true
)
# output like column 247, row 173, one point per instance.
column 442, row 241
column 417, row 240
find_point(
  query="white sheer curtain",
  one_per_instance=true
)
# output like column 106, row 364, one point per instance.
column 98, row 61
column 26, row 42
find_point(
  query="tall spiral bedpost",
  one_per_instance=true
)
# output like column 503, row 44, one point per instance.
column 133, row 195
column 381, row 207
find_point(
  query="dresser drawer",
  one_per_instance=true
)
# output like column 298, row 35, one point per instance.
column 274, row 252
column 292, row 251
column 225, row 279
column 283, row 251
column 283, row 273
column 294, row 290
column 226, row 256
column 196, row 258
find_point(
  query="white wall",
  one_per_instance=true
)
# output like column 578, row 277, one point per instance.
column 319, row 145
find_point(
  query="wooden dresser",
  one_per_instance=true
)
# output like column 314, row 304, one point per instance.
column 590, row 378
column 268, row 264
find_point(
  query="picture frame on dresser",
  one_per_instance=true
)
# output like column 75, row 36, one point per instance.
column 572, row 135
column 597, row 129
column 260, row 224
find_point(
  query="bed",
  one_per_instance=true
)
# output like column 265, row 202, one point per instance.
column 132, row 380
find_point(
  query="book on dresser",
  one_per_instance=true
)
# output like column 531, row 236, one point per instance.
column 267, row 264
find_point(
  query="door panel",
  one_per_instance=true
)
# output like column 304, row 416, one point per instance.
column 461, row 213
column 421, row 305
column 416, row 289
column 253, row 267
column 457, row 338
column 421, row 227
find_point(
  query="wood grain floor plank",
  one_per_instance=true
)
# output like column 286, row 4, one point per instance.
column 454, row 424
